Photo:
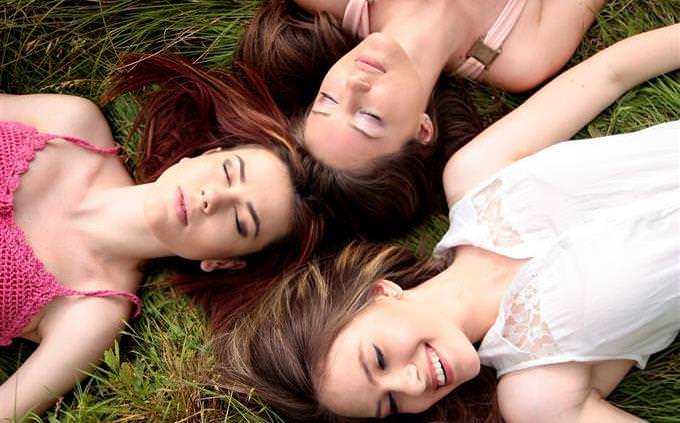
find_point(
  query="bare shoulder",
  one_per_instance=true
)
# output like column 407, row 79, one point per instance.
column 95, row 319
column 544, row 393
column 472, row 164
column 59, row 114
column 544, row 39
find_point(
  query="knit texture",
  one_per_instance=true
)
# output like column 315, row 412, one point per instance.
column 25, row 286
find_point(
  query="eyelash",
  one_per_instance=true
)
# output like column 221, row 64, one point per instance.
column 327, row 97
column 381, row 363
column 371, row 115
column 226, row 172
column 240, row 228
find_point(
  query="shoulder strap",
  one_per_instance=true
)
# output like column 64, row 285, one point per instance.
column 355, row 20
column 105, row 293
column 82, row 143
column 485, row 50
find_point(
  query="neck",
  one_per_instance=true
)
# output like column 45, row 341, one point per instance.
column 452, row 28
column 113, row 222
column 428, row 50
column 470, row 291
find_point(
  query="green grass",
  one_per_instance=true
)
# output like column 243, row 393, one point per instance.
column 156, row 372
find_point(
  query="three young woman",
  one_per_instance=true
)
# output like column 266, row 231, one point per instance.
column 219, row 190
column 565, row 270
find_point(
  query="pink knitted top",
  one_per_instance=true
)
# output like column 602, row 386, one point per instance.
column 25, row 286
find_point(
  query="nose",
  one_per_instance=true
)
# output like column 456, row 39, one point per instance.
column 214, row 198
column 357, row 82
column 406, row 380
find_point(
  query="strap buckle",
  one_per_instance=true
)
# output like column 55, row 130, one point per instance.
column 483, row 53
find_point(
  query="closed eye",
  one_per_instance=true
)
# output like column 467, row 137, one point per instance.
column 393, row 404
column 326, row 97
column 225, row 167
column 240, row 226
column 380, row 358
column 371, row 115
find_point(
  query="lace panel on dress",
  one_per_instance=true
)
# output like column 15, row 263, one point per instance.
column 489, row 208
column 524, row 325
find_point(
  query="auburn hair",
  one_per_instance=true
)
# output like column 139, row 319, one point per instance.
column 275, row 351
column 186, row 110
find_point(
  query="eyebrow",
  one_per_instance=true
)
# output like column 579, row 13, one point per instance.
column 370, row 378
column 351, row 125
column 242, row 167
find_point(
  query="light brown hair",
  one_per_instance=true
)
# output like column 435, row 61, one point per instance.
column 274, row 351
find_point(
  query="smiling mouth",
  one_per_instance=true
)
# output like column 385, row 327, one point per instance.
column 369, row 64
column 437, row 368
column 180, row 207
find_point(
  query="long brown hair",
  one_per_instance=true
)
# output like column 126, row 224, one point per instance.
column 274, row 351
column 190, row 110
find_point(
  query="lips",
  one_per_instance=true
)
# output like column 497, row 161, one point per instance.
column 180, row 207
column 436, row 363
column 369, row 64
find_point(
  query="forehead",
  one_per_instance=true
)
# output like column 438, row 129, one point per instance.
column 343, row 386
column 336, row 143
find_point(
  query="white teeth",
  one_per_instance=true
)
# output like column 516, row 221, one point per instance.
column 438, row 368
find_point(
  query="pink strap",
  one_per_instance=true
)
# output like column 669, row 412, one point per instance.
column 105, row 293
column 475, row 63
column 355, row 20
column 82, row 143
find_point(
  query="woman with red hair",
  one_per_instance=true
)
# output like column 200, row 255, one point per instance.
column 215, row 195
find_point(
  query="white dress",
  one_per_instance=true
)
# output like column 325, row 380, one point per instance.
column 599, row 220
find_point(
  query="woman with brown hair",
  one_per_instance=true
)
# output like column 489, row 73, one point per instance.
column 565, row 275
column 216, row 188
column 292, row 50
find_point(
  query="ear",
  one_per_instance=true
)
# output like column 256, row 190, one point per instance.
column 212, row 150
column 425, row 129
column 230, row 264
column 385, row 288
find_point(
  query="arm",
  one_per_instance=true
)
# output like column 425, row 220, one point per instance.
column 73, row 340
column 558, row 110
column 58, row 114
column 556, row 393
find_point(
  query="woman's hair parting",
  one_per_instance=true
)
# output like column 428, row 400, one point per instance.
column 292, row 50
column 399, row 190
column 275, row 350
column 187, row 110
